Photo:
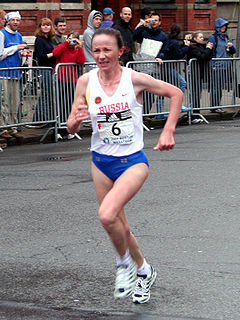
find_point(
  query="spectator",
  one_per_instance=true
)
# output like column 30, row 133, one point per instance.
column 203, row 53
column 174, row 51
column 145, row 14
column 43, row 48
column 150, row 33
column 152, row 40
column 95, row 19
column 123, row 25
column 60, row 29
column 107, row 18
column 3, row 141
column 12, row 42
column 2, row 24
column 70, row 51
column 222, row 48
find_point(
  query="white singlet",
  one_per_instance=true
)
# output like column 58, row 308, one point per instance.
column 116, row 120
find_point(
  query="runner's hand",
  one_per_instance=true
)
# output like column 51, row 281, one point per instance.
column 165, row 142
column 81, row 112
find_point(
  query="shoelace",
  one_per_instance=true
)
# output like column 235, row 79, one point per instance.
column 140, row 285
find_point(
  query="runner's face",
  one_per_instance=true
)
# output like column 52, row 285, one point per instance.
column 106, row 51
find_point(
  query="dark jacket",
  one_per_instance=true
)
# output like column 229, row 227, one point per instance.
column 154, row 34
column 127, row 35
column 201, row 53
column 173, row 50
column 42, row 47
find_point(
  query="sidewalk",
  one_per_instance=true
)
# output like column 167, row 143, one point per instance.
column 33, row 135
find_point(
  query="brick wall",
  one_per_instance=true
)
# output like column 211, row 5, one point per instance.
column 188, row 14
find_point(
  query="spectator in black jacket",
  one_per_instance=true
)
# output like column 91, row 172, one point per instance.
column 123, row 25
column 43, row 48
column 203, row 53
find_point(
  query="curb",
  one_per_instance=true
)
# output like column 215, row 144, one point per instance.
column 33, row 135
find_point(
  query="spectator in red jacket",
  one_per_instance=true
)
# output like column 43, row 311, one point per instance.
column 70, row 52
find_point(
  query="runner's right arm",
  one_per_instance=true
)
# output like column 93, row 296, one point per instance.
column 79, row 110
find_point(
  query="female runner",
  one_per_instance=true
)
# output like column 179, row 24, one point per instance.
column 112, row 96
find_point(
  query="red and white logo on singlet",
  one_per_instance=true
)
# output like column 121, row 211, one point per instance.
column 98, row 100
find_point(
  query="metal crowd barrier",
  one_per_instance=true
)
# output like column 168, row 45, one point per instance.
column 214, row 84
column 87, row 66
column 35, row 96
column 65, row 79
column 27, row 98
column 171, row 71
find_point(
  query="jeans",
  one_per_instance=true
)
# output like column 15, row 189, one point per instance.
column 220, row 80
column 44, row 107
column 176, row 79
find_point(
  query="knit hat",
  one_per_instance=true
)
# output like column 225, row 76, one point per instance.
column 98, row 14
column 12, row 14
column 108, row 11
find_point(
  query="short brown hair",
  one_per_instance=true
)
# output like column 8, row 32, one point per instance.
column 75, row 34
column 42, row 22
column 59, row 19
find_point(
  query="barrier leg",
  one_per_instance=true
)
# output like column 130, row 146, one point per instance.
column 77, row 136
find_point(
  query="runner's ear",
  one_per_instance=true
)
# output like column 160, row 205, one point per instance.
column 121, row 51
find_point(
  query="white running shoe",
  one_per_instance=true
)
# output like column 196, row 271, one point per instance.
column 125, row 280
column 70, row 136
column 141, row 292
column 197, row 121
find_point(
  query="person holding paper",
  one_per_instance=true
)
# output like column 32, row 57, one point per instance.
column 152, row 42
column 151, row 37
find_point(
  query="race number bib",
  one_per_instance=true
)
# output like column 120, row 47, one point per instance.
column 116, row 127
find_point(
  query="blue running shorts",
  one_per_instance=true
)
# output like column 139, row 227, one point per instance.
column 113, row 167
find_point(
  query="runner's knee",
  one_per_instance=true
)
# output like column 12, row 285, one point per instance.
column 106, row 217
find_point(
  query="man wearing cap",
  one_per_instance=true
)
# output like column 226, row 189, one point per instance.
column 95, row 19
column 107, row 18
column 12, row 42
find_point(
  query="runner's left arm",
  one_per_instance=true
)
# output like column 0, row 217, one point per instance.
column 144, row 82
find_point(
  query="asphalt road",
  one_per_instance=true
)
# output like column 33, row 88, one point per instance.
column 57, row 262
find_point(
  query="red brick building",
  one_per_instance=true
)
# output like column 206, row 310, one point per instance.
column 190, row 14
